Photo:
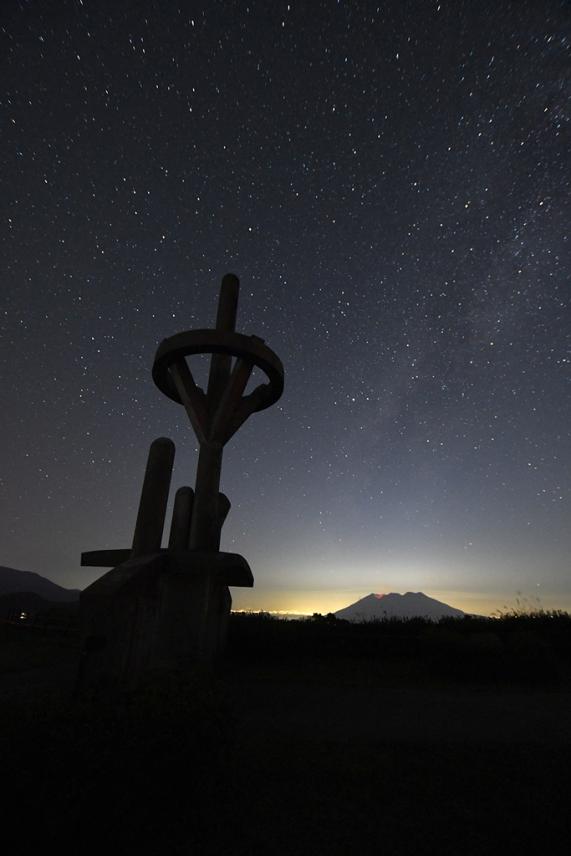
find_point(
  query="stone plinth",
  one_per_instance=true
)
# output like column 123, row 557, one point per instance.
column 165, row 610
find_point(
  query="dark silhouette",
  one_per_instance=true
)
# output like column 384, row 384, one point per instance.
column 377, row 607
column 13, row 581
column 165, row 607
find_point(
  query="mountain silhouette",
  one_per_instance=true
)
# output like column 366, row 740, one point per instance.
column 376, row 607
column 13, row 582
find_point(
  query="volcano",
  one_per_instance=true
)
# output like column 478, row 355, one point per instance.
column 376, row 607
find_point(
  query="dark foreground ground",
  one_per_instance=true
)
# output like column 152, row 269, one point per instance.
column 311, row 738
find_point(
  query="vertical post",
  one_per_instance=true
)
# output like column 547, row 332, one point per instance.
column 221, row 364
column 181, row 517
column 154, row 498
column 224, row 506
column 205, row 526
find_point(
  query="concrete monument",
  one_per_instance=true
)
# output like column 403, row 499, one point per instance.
column 165, row 607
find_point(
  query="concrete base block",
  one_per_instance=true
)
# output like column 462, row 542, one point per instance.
column 166, row 610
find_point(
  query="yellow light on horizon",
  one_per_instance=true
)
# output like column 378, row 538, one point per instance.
column 288, row 602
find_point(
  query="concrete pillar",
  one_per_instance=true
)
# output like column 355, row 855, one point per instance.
column 181, row 517
column 154, row 497
column 205, row 528
column 221, row 364
column 204, row 531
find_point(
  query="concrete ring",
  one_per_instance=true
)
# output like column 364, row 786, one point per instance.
column 217, row 342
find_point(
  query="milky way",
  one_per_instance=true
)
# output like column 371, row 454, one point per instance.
column 391, row 184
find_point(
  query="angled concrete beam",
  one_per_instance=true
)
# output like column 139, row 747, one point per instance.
column 192, row 397
column 230, row 399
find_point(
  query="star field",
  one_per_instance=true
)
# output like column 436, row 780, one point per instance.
column 391, row 184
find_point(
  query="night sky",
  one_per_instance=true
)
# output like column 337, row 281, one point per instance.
column 390, row 181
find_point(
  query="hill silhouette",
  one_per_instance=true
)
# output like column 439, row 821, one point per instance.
column 375, row 607
column 13, row 581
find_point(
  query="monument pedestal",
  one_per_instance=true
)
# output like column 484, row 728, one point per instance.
column 165, row 610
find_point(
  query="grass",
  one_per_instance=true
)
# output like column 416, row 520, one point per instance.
column 531, row 649
column 22, row 648
column 245, row 759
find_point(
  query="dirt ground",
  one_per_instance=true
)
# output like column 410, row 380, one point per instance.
column 309, row 757
column 280, row 704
